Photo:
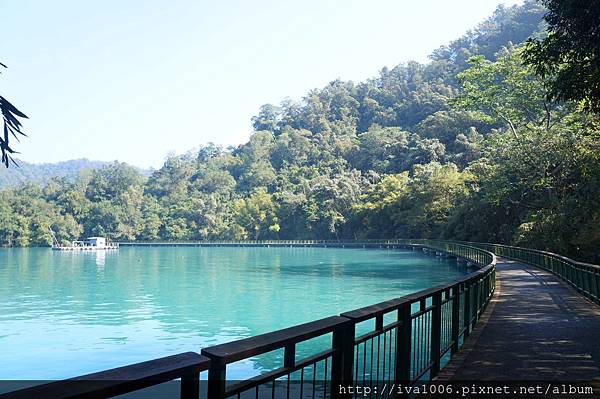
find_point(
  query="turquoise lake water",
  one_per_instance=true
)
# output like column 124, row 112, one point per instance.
column 66, row 314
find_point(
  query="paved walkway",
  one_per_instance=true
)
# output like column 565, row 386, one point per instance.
column 536, row 328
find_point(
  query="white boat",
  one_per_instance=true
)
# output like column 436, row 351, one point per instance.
column 89, row 244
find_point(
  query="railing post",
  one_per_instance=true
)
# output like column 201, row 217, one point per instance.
column 484, row 293
column 403, row 345
column 597, row 283
column 436, row 333
column 455, row 318
column 587, row 286
column 592, row 284
column 190, row 386
column 216, row 381
column 289, row 356
column 342, row 361
column 467, row 310
column 477, row 300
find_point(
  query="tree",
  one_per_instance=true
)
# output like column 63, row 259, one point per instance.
column 267, row 119
column 330, row 198
column 12, row 127
column 255, row 169
column 172, row 180
column 569, row 56
column 448, row 125
column 432, row 194
column 536, row 175
column 112, row 181
column 376, row 208
column 65, row 228
column 103, row 219
column 212, row 173
column 423, row 151
column 151, row 216
column 257, row 216
column 381, row 149
column 504, row 91
column 209, row 151
column 130, row 204
column 293, row 147
column 8, row 221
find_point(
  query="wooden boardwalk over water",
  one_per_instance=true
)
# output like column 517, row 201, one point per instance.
column 536, row 328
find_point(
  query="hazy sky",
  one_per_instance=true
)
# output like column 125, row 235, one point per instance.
column 134, row 80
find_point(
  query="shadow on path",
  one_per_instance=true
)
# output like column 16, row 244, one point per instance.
column 538, row 328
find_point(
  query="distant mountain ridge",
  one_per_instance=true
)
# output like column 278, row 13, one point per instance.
column 40, row 173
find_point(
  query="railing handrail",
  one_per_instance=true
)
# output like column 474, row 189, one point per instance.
column 336, row 241
column 121, row 380
column 230, row 352
column 537, row 251
column 368, row 312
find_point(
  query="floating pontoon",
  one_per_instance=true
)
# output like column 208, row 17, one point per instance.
column 89, row 244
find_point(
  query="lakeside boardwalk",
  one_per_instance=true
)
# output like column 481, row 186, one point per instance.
column 536, row 328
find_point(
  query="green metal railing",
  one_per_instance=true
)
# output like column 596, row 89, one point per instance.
column 584, row 277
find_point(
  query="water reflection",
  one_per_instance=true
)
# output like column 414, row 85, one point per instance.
column 81, row 312
column 100, row 259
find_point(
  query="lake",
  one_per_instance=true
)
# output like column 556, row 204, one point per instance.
column 65, row 314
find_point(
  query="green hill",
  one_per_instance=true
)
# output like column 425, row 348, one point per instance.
column 41, row 173
column 465, row 146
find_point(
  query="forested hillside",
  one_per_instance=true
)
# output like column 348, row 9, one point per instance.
column 40, row 173
column 465, row 147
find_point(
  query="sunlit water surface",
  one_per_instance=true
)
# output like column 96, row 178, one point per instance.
column 65, row 314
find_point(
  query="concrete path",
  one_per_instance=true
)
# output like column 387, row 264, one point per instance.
column 536, row 328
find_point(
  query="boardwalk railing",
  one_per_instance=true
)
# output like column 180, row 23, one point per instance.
column 584, row 277
column 105, row 384
column 403, row 340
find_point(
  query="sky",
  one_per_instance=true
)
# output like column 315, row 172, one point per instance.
column 137, row 80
